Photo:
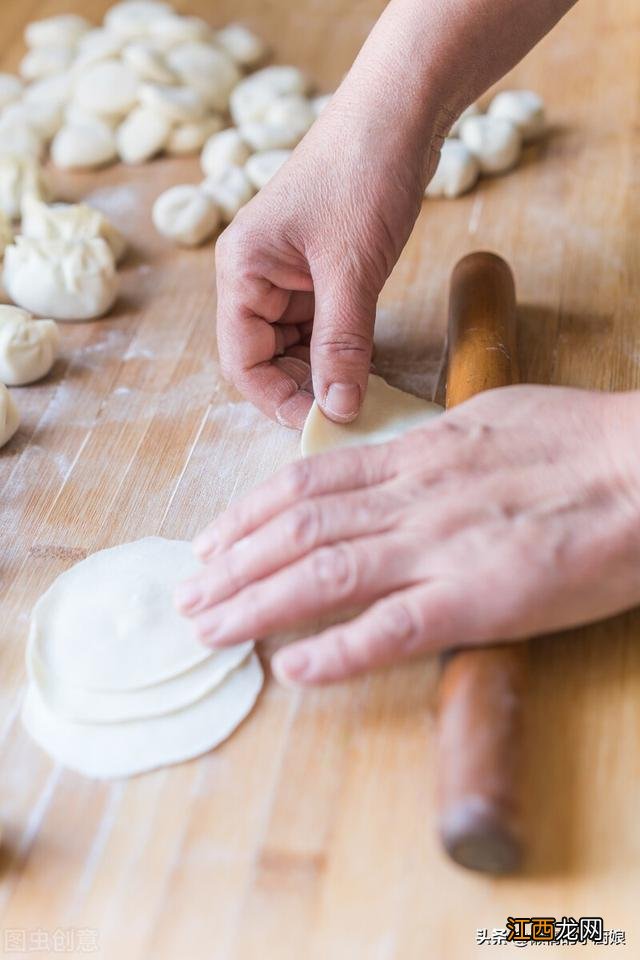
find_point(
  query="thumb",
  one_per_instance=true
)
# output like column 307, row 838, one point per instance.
column 341, row 347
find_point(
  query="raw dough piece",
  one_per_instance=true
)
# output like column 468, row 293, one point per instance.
column 69, row 221
column 261, row 167
column 221, row 151
column 9, row 416
column 285, row 121
column 176, row 104
column 84, row 145
column 64, row 279
column 456, row 172
column 229, row 192
column 170, row 31
column 98, row 44
column 6, row 232
column 250, row 98
column 124, row 749
column 471, row 111
column 64, row 30
column 189, row 138
column 186, row 215
column 524, row 108
column 495, row 143
column 386, row 413
column 45, row 62
column 28, row 347
column 54, row 91
column 10, row 89
column 45, row 118
column 142, row 135
column 108, row 86
column 208, row 70
column 242, row 45
column 148, row 64
column 20, row 177
column 133, row 17
column 19, row 137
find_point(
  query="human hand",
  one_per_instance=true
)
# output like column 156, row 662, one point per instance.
column 514, row 514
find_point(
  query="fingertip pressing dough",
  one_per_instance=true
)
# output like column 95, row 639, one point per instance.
column 386, row 413
column 70, row 280
column 457, row 171
column 189, row 138
column 261, row 167
column 69, row 221
column 142, row 135
column 495, row 143
column 242, row 45
column 223, row 150
column 28, row 347
column 523, row 108
column 9, row 415
column 229, row 192
column 186, row 215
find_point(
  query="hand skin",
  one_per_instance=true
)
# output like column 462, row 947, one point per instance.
column 300, row 268
column 515, row 514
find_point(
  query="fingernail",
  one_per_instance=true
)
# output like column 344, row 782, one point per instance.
column 205, row 543
column 186, row 596
column 342, row 400
column 292, row 665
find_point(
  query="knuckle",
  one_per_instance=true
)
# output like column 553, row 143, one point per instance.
column 297, row 479
column 335, row 570
column 347, row 343
column 233, row 574
column 402, row 626
column 303, row 526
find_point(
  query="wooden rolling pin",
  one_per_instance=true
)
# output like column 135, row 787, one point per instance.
column 481, row 688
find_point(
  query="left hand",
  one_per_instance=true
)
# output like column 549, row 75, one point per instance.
column 513, row 515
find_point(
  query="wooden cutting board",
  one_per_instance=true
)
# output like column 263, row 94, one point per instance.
column 311, row 833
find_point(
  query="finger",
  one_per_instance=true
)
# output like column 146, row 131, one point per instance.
column 330, row 579
column 413, row 621
column 333, row 472
column 341, row 346
column 285, row 539
column 300, row 308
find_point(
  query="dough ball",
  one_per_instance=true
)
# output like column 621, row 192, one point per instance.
column 386, row 413
column 319, row 103
column 55, row 91
column 175, row 104
column 62, row 30
column 45, row 62
column 229, row 191
column 84, row 145
column 185, row 215
column 133, row 17
column 20, row 177
column 186, row 139
column 69, row 221
column 6, row 232
column 10, row 89
column 242, row 45
column 28, row 347
column 285, row 121
column 456, row 173
column 142, row 135
column 147, row 63
column 108, row 86
column 65, row 279
column 524, row 109
column 20, row 137
column 494, row 142
column 98, row 44
column 9, row 415
column 171, row 31
column 250, row 98
column 45, row 118
column 261, row 167
column 473, row 110
column 223, row 150
column 208, row 70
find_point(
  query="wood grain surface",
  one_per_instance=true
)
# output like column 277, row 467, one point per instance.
column 310, row 834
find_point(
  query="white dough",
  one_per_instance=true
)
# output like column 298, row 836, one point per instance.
column 142, row 135
column 524, row 108
column 242, row 45
column 124, row 749
column 229, row 192
column 223, row 150
column 45, row 118
column 108, row 86
column 495, row 143
column 261, row 167
column 98, row 44
column 28, row 347
column 175, row 104
column 188, row 138
column 186, row 215
column 10, row 89
column 6, row 232
column 171, row 31
column 45, row 62
column 20, row 137
column 20, row 177
column 89, row 144
column 69, row 221
column 148, row 64
column 457, row 171
column 471, row 111
column 251, row 98
column 56, row 91
column 62, row 30
column 9, row 415
column 64, row 279
column 385, row 414
column 207, row 69
column 285, row 121
column 319, row 103
column 132, row 18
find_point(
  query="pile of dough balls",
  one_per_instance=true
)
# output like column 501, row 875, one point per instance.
column 118, row 681
column 487, row 144
column 271, row 111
